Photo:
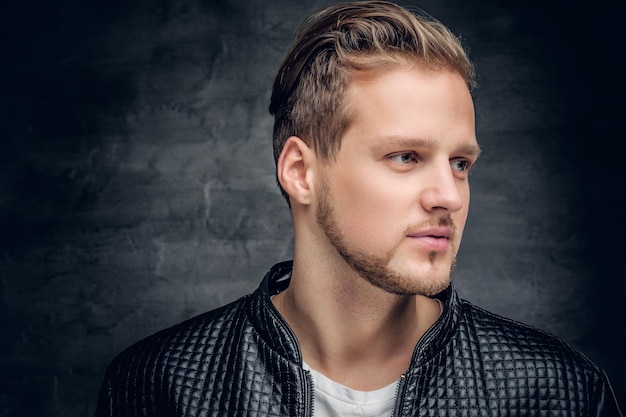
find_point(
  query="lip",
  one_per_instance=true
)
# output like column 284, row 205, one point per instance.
column 441, row 232
column 436, row 239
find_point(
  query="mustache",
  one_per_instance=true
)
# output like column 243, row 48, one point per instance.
column 444, row 221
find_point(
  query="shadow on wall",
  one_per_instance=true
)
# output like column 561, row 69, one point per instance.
column 65, row 89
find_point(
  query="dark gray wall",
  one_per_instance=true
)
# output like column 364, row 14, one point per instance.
column 137, row 185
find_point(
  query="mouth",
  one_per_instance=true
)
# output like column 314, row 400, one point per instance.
column 440, row 232
column 435, row 239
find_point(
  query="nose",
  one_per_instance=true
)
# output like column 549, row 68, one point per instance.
column 442, row 190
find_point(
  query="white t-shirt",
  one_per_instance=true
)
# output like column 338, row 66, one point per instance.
column 336, row 400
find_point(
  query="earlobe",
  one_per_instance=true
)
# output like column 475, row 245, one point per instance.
column 293, row 169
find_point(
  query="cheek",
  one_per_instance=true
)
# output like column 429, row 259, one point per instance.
column 369, row 205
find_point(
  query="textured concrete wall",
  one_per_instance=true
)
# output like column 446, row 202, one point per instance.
column 137, row 190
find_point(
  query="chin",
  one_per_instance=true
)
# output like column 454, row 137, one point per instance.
column 410, row 281
column 423, row 280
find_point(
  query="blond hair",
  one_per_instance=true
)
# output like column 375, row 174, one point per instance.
column 335, row 43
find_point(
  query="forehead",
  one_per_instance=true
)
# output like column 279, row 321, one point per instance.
column 410, row 102
column 404, row 80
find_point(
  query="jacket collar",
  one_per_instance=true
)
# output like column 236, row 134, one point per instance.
column 270, row 325
column 440, row 333
column 278, row 335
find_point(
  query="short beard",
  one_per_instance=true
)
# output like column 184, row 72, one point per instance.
column 374, row 269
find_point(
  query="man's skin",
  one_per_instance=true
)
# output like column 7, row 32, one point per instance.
column 393, row 204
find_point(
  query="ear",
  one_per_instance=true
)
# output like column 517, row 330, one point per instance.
column 294, row 169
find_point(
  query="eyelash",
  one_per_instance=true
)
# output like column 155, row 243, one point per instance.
column 413, row 156
column 414, row 159
column 466, row 163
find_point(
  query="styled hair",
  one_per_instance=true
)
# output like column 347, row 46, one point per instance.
column 344, row 39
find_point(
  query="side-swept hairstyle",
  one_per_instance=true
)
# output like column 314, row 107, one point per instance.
column 339, row 41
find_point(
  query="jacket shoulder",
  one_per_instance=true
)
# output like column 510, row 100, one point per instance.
column 142, row 376
column 522, row 361
column 507, row 338
column 206, row 333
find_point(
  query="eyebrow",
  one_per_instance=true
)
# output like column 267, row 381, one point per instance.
column 466, row 148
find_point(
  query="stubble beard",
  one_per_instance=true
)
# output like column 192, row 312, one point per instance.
column 375, row 269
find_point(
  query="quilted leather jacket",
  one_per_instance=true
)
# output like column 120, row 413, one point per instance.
column 243, row 360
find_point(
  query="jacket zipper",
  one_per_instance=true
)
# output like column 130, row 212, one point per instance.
column 310, row 394
column 402, row 382
column 309, row 386
column 396, row 400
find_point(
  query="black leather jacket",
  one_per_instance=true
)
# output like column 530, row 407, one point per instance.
column 243, row 360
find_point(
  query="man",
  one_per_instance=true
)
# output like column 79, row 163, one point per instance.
column 374, row 138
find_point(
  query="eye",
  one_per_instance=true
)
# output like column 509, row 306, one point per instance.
column 460, row 165
column 404, row 158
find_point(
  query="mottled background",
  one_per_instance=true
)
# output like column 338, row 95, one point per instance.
column 137, row 185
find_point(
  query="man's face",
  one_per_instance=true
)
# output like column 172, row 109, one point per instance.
column 395, row 201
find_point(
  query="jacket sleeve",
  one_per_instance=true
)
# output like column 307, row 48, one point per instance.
column 105, row 398
column 129, row 388
column 118, row 395
column 607, row 403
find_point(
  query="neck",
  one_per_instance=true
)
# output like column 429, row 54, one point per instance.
column 354, row 333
